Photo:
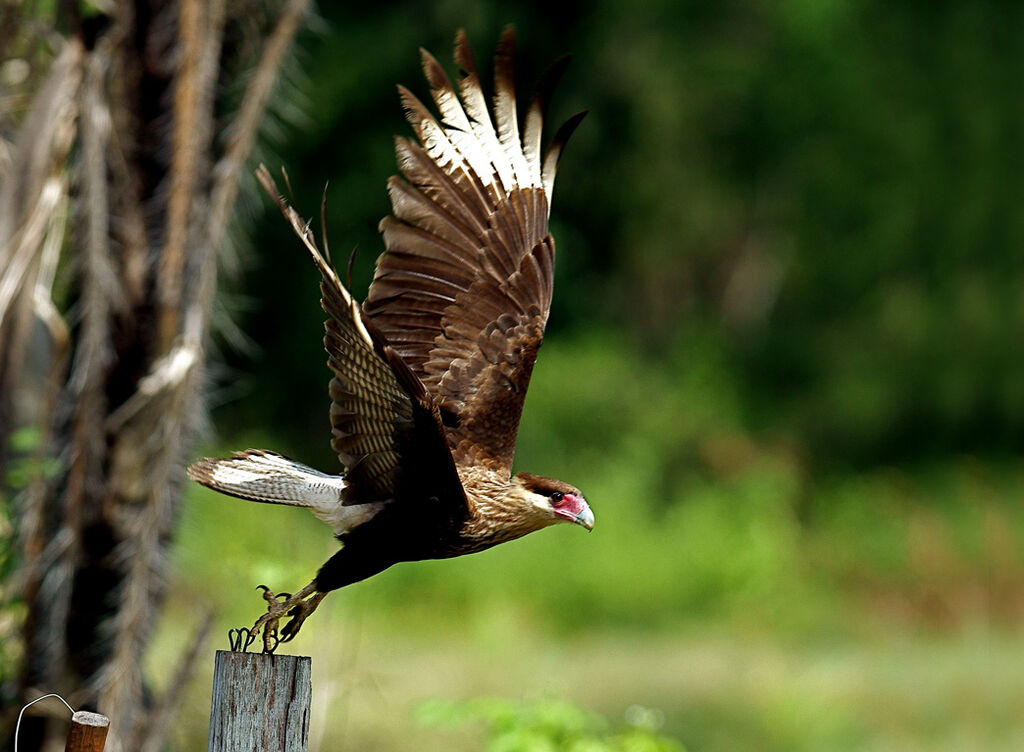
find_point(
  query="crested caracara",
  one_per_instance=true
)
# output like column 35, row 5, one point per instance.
column 430, row 373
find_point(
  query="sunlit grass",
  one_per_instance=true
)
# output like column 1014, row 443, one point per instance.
column 718, row 689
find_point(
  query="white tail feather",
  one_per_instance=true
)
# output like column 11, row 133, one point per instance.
column 260, row 475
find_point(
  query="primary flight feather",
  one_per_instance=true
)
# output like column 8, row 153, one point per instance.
column 430, row 373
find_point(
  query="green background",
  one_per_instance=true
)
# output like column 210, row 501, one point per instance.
column 783, row 364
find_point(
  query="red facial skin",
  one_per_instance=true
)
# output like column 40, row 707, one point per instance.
column 574, row 509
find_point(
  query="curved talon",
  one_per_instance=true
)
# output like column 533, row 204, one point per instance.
column 305, row 606
column 297, row 606
column 268, row 649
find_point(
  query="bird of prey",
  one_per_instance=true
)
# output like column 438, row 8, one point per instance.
column 430, row 373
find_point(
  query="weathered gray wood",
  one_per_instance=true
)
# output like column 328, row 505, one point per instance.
column 260, row 703
column 88, row 732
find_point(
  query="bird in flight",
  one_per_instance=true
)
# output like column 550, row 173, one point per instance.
column 430, row 373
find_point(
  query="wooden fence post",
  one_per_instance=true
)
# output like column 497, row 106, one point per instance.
column 260, row 703
column 88, row 732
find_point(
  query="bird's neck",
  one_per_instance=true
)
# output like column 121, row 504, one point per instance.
column 499, row 510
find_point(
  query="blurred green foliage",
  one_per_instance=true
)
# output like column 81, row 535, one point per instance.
column 27, row 465
column 696, row 521
column 823, row 194
column 549, row 725
column 781, row 361
column 780, row 358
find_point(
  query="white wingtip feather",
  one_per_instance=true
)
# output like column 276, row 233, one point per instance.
column 484, row 140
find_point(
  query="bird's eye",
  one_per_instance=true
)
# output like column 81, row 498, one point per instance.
column 556, row 496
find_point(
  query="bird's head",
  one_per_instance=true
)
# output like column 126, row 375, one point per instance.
column 554, row 500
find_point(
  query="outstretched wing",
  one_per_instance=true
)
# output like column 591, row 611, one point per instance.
column 463, row 290
column 386, row 429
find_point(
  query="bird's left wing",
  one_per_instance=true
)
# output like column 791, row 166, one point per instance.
column 464, row 288
column 387, row 431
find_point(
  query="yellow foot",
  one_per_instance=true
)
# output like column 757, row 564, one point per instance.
column 299, row 606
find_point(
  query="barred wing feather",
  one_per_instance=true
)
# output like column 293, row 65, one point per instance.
column 386, row 428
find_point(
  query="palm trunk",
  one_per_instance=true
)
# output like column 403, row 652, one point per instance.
column 118, row 178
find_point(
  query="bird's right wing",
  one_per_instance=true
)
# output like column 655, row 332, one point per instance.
column 387, row 432
column 464, row 288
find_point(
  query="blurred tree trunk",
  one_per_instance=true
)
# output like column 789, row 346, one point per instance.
column 115, row 199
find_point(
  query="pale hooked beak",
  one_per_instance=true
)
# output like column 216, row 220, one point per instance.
column 585, row 517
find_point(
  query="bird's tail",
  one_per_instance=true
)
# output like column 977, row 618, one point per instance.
column 260, row 475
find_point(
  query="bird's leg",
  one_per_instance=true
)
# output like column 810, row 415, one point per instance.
column 303, row 607
column 299, row 606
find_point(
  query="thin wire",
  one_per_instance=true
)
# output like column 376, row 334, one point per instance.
column 17, row 728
